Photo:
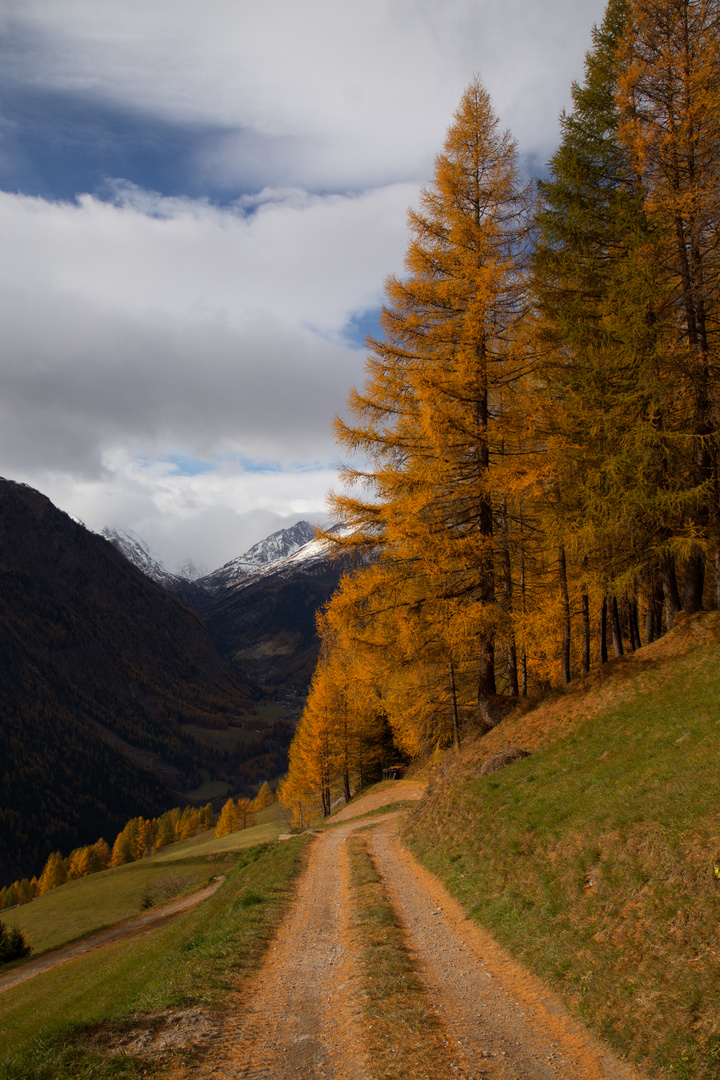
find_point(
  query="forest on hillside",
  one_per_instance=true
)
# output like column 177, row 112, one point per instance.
column 533, row 462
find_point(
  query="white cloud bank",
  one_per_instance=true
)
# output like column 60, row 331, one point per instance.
column 145, row 330
column 333, row 93
column 159, row 327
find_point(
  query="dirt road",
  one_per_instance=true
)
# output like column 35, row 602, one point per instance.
column 501, row 1021
column 302, row 1018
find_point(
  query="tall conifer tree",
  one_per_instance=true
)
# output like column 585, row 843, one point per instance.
column 669, row 98
column 435, row 416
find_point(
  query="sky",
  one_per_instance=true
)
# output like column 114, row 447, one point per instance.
column 199, row 204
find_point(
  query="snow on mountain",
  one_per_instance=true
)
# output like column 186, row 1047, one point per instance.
column 191, row 571
column 282, row 552
column 314, row 549
column 297, row 562
column 136, row 551
column 260, row 557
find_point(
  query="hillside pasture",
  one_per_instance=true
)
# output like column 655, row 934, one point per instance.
column 99, row 900
column 191, row 962
column 594, row 861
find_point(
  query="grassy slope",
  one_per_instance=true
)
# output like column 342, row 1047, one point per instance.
column 81, row 907
column 189, row 962
column 594, row 860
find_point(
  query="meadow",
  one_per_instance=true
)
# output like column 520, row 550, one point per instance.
column 190, row 962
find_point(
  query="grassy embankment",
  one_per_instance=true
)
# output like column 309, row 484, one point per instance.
column 596, row 861
column 190, row 962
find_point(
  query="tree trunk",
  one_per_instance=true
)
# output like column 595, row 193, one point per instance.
column 486, row 686
column 670, row 589
column 602, row 631
column 523, row 654
column 694, row 581
column 615, row 628
column 634, row 625
column 346, row 753
column 653, row 617
column 506, row 603
column 565, row 656
column 453, row 699
column 361, row 758
column 585, row 603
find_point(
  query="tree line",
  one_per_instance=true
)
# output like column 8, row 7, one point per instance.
column 138, row 839
column 533, row 475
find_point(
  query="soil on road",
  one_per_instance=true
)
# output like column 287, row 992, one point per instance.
column 302, row 1017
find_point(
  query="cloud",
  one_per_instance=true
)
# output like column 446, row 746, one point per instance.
column 326, row 94
column 165, row 323
column 211, row 517
column 172, row 362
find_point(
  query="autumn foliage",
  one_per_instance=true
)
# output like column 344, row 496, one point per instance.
column 139, row 838
column 533, row 470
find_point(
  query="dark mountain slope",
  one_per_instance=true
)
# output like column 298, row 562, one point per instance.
column 266, row 624
column 98, row 665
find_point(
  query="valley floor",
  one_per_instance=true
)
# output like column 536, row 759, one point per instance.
column 307, row 1013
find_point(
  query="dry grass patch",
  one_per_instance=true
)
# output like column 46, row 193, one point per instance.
column 403, row 1036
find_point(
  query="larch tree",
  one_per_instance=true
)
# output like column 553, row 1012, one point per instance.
column 626, row 282
column 669, row 100
column 228, row 821
column 54, row 873
column 435, row 420
column 593, row 414
column 244, row 812
column 264, row 797
column 125, row 846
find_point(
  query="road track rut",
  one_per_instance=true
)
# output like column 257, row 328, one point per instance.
column 301, row 1018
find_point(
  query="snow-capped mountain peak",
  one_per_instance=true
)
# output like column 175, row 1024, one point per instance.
column 191, row 571
column 136, row 551
column 279, row 545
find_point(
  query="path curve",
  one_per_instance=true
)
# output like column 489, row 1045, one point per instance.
column 148, row 920
column 400, row 791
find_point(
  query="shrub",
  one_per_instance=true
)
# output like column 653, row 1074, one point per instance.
column 12, row 944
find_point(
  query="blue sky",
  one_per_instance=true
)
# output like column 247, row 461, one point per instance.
column 198, row 207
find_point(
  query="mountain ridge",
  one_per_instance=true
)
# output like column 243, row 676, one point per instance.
column 277, row 546
column 260, row 607
column 95, row 657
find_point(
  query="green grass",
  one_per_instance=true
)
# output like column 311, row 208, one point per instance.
column 207, row 844
column 81, row 907
column 209, row 789
column 192, row 961
column 593, row 862
column 91, row 903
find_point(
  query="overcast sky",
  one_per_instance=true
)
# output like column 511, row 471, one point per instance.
column 199, row 203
